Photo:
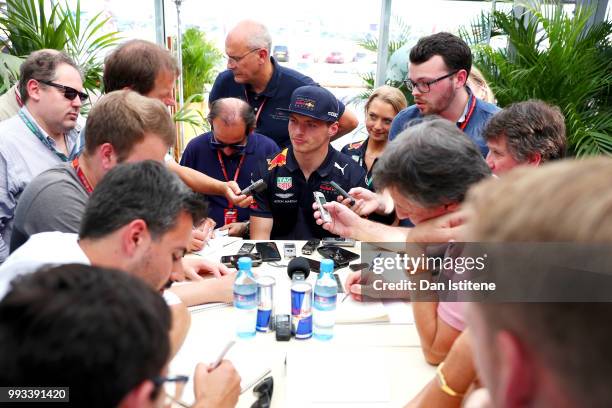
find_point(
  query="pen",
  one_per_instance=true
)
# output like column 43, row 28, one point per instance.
column 223, row 353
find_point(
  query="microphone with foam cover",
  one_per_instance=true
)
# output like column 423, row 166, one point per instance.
column 298, row 268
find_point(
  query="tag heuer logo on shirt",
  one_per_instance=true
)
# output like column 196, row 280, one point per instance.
column 284, row 183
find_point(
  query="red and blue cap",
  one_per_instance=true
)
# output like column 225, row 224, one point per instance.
column 315, row 102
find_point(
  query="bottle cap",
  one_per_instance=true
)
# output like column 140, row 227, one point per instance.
column 244, row 263
column 327, row 265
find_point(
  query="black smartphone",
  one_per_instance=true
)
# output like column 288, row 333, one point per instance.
column 315, row 266
column 310, row 246
column 268, row 251
column 231, row 261
column 246, row 248
column 282, row 326
column 340, row 256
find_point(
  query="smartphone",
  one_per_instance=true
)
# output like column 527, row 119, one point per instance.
column 231, row 261
column 246, row 248
column 340, row 256
column 268, row 251
column 289, row 250
column 315, row 266
column 338, row 241
column 310, row 246
column 320, row 200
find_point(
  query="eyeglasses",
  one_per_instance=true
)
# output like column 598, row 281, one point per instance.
column 236, row 60
column 424, row 86
column 69, row 93
column 160, row 380
column 238, row 147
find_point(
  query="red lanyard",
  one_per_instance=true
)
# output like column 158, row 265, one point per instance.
column 469, row 114
column 230, row 204
column 81, row 176
column 261, row 106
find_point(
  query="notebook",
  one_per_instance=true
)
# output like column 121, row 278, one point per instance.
column 351, row 311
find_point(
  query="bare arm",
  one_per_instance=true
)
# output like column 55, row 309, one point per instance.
column 181, row 320
column 261, row 227
column 206, row 291
column 437, row 336
column 347, row 122
column 459, row 373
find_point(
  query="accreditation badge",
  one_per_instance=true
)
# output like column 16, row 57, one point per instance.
column 230, row 215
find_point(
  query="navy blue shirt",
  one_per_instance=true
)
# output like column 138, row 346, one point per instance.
column 271, row 121
column 202, row 156
column 289, row 196
column 474, row 128
column 357, row 152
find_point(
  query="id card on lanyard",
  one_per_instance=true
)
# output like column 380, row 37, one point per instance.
column 38, row 133
column 230, row 214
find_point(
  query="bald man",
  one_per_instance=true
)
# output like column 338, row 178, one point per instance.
column 255, row 76
column 231, row 151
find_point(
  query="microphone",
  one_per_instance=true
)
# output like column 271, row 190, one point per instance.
column 298, row 268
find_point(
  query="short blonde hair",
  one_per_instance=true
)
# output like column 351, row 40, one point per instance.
column 122, row 118
column 390, row 95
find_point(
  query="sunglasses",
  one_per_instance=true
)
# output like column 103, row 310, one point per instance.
column 238, row 147
column 69, row 93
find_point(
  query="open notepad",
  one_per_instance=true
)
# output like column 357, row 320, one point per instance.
column 252, row 365
column 351, row 311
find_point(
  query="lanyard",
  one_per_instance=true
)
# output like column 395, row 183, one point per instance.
column 81, row 176
column 230, row 204
column 18, row 98
column 38, row 133
column 258, row 110
column 469, row 114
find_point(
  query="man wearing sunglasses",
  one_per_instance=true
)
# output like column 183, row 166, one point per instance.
column 110, row 350
column 231, row 151
column 254, row 76
column 44, row 132
column 439, row 67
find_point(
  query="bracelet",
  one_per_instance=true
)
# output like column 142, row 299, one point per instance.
column 444, row 385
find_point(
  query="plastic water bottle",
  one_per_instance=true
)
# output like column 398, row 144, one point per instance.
column 324, row 305
column 245, row 299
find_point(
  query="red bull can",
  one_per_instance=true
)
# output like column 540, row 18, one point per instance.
column 301, row 309
column 265, row 302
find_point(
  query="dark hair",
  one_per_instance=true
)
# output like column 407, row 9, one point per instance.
column 122, row 118
column 136, row 64
column 42, row 65
column 230, row 109
column 144, row 190
column 99, row 331
column 530, row 127
column 453, row 50
column 432, row 162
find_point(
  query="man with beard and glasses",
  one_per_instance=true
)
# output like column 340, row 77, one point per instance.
column 438, row 71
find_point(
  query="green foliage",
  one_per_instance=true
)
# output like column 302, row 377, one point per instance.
column 200, row 57
column 192, row 117
column 27, row 28
column 556, row 57
column 9, row 71
column 371, row 44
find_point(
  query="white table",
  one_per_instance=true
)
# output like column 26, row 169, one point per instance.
column 357, row 347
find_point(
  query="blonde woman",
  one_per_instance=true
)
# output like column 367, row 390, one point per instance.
column 380, row 109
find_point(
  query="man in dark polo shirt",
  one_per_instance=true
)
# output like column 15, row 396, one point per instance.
column 284, row 210
column 254, row 76
column 231, row 151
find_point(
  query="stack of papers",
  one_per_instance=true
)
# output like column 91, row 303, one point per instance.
column 352, row 311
